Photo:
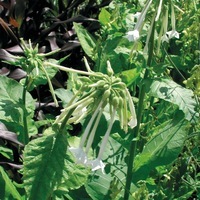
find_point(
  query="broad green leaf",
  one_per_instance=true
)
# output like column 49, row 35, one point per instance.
column 130, row 76
column 98, row 186
column 170, row 91
column 64, row 95
column 104, row 17
column 162, row 149
column 7, row 188
column 87, row 41
column 49, row 169
column 107, row 53
column 12, row 108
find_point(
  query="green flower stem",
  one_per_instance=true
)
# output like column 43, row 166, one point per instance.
column 51, row 87
column 25, row 137
column 133, row 145
column 66, row 69
column 64, row 122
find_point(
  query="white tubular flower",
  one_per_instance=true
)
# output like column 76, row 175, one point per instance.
column 134, row 35
column 102, row 90
column 165, row 38
column 97, row 163
column 79, row 154
column 173, row 33
column 133, row 120
column 159, row 11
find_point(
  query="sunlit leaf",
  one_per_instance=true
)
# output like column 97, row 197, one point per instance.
column 49, row 169
column 8, row 189
column 104, row 17
column 87, row 41
column 12, row 108
column 162, row 149
column 170, row 91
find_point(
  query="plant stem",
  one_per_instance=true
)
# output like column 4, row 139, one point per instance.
column 25, row 138
column 133, row 145
column 66, row 69
column 64, row 122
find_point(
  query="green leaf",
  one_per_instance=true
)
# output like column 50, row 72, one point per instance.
column 98, row 186
column 170, row 91
column 162, row 149
column 49, row 169
column 12, row 108
column 64, row 95
column 87, row 41
column 104, row 17
column 8, row 189
column 130, row 76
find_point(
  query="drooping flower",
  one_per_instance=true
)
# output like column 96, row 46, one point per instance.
column 134, row 35
column 97, row 163
column 95, row 93
column 173, row 33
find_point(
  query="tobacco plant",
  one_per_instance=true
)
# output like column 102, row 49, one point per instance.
column 124, row 125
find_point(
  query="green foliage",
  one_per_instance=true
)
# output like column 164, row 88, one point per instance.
column 168, row 90
column 13, row 109
column 8, row 188
column 47, row 164
column 87, row 41
column 162, row 149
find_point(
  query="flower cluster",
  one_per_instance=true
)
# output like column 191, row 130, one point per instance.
column 97, row 92
column 32, row 62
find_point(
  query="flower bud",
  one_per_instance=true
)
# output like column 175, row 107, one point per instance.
column 106, row 94
column 115, row 102
column 109, row 69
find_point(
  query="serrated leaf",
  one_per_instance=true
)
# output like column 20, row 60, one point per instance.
column 170, row 91
column 49, row 169
column 162, row 149
column 8, row 189
column 87, row 41
column 12, row 108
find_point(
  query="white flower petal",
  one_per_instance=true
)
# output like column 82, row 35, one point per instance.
column 165, row 38
column 132, row 35
column 172, row 34
column 133, row 122
column 97, row 164
column 79, row 154
column 137, row 15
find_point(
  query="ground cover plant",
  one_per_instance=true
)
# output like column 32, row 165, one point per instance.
column 99, row 99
